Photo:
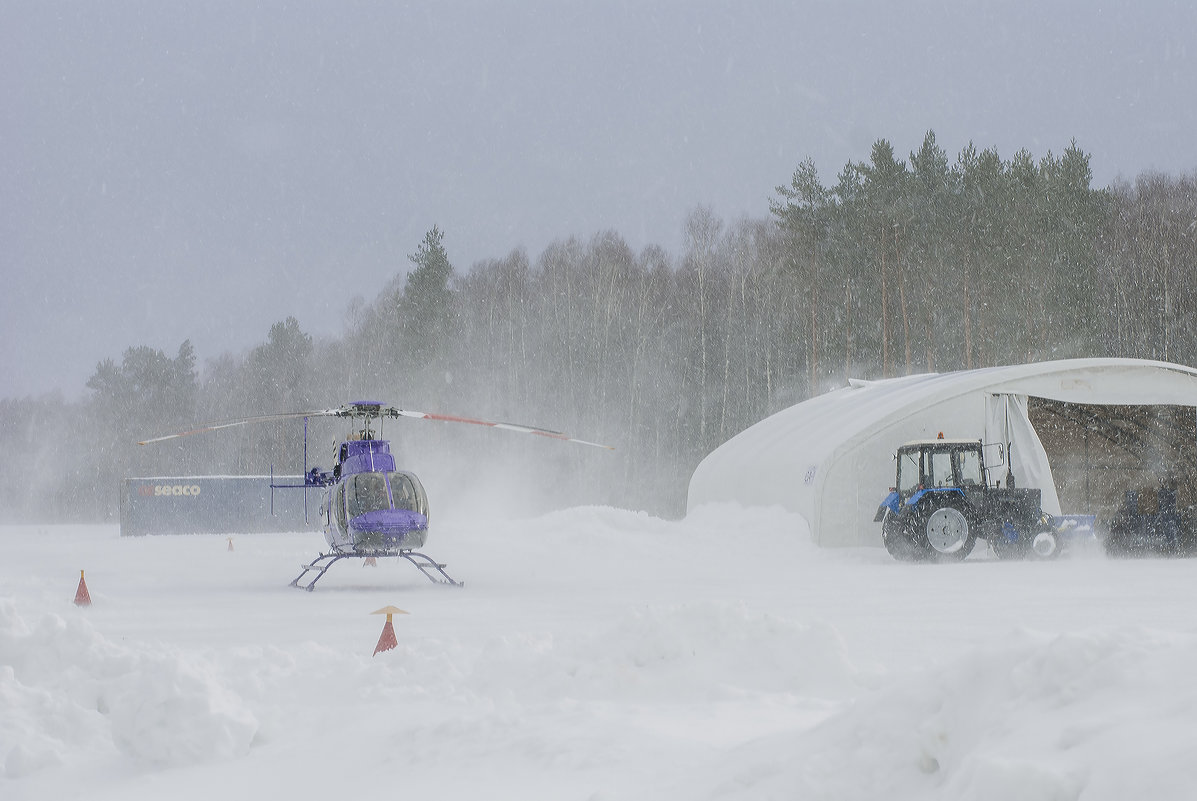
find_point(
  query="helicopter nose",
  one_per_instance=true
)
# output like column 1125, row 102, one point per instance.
column 392, row 524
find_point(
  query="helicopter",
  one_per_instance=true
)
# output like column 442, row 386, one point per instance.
column 370, row 508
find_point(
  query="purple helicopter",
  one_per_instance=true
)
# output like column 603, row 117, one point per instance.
column 370, row 508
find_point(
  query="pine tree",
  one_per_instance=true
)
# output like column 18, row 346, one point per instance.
column 804, row 219
column 426, row 308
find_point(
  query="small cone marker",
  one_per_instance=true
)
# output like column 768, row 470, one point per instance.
column 369, row 562
column 230, row 543
column 387, row 641
column 83, row 597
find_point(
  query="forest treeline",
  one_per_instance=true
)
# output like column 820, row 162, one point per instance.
column 898, row 266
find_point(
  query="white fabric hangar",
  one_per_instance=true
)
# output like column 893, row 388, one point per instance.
column 1082, row 430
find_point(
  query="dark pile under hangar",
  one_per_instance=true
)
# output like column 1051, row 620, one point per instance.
column 1099, row 453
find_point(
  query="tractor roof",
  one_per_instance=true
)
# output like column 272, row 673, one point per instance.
column 923, row 443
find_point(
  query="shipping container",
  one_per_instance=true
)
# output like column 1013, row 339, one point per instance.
column 215, row 505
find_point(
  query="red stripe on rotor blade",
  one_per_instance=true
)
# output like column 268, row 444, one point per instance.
column 454, row 419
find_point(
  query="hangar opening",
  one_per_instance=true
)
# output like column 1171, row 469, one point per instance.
column 1099, row 453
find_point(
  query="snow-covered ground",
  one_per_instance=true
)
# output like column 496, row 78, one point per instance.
column 594, row 653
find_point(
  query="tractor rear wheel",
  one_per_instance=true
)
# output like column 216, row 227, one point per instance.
column 944, row 527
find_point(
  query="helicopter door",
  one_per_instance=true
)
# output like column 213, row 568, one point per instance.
column 338, row 501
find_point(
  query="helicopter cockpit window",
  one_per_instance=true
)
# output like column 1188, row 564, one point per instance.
column 408, row 494
column 368, row 493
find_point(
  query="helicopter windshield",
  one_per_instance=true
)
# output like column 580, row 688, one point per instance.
column 368, row 492
column 407, row 492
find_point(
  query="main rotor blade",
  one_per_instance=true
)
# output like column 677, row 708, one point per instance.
column 264, row 418
column 374, row 410
column 521, row 429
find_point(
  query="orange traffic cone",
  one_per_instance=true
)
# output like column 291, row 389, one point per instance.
column 387, row 641
column 370, row 562
column 82, row 596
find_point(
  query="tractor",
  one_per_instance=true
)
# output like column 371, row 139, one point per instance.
column 943, row 502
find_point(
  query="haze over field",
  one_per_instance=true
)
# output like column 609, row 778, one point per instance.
column 206, row 171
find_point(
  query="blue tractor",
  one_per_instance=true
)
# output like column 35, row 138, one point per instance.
column 943, row 502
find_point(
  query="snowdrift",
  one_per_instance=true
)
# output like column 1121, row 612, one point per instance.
column 594, row 652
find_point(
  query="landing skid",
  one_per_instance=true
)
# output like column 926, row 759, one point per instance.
column 424, row 564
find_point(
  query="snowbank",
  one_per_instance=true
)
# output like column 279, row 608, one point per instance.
column 593, row 652
column 1098, row 715
column 68, row 689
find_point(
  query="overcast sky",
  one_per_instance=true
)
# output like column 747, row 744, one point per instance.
column 201, row 170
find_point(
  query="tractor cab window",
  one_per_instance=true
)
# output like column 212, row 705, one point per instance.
column 910, row 473
column 939, row 469
column 367, row 493
column 970, row 468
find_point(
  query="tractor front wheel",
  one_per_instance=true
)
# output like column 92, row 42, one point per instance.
column 896, row 540
column 1009, row 541
column 1045, row 544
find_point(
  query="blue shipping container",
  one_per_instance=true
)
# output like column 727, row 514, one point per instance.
column 214, row 505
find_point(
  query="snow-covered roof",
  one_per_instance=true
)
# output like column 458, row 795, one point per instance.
column 786, row 458
column 919, row 443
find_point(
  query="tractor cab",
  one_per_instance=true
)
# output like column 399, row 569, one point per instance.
column 937, row 465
